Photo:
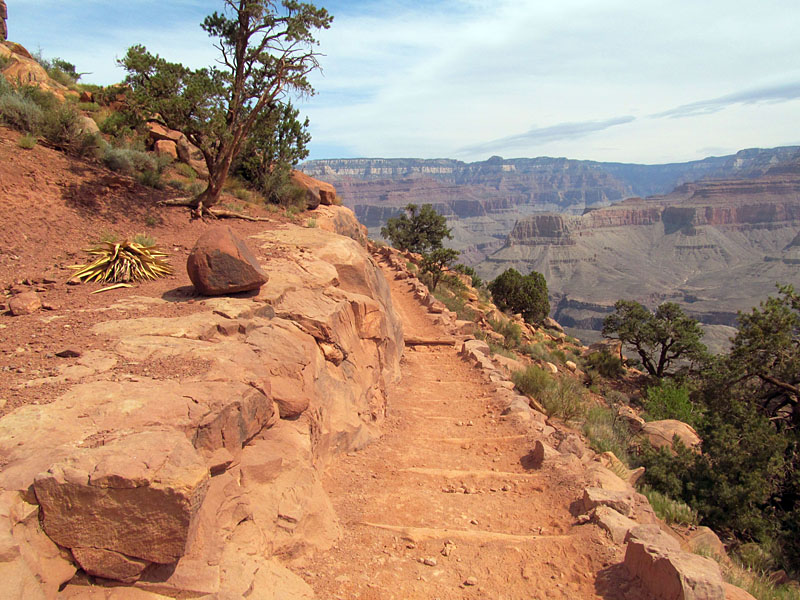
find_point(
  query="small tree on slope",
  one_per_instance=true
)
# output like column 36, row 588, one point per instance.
column 266, row 52
column 659, row 338
column 419, row 230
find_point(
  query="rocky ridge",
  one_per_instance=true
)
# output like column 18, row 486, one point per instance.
column 193, row 484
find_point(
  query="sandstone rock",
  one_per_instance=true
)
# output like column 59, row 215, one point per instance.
column 735, row 593
column 551, row 367
column 166, row 148
column 661, row 433
column 509, row 364
column 221, row 263
column 635, row 422
column 572, row 444
column 614, row 523
column 704, row 539
column 593, row 497
column 667, row 572
column 109, row 564
column 610, row 461
column 137, row 496
column 551, row 323
column 25, row 303
column 612, row 347
column 542, row 452
column 472, row 348
column 653, row 535
column 571, row 366
column 317, row 192
column 87, row 125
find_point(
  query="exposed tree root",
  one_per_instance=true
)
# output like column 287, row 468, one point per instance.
column 200, row 212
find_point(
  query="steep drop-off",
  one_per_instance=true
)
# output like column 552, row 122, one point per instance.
column 483, row 200
column 715, row 247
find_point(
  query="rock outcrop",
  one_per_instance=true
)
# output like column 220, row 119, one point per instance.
column 191, row 485
column 22, row 69
column 3, row 18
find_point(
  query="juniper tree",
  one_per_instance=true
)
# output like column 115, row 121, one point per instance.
column 267, row 50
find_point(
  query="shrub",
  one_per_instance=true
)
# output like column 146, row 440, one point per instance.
column 129, row 161
column 151, row 178
column 669, row 510
column 20, row 113
column 538, row 351
column 60, row 127
column 177, row 184
column 565, row 400
column 669, row 401
column 605, row 364
column 526, row 294
column 27, row 141
column 144, row 239
column 511, row 332
column 533, row 381
column 88, row 106
column 186, row 171
column 606, row 432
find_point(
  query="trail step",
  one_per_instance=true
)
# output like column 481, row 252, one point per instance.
column 421, row 534
column 459, row 473
column 421, row 341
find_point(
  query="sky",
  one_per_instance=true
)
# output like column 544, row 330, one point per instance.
column 645, row 81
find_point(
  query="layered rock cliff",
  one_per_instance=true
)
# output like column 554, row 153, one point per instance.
column 715, row 247
column 484, row 200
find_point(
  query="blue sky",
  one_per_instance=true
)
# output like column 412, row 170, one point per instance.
column 615, row 80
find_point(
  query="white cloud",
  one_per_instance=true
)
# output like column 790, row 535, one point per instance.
column 405, row 78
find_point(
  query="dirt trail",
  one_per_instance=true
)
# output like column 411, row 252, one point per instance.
column 442, row 506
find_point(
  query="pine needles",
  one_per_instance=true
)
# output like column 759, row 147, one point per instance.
column 124, row 261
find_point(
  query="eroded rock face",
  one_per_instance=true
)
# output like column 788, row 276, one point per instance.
column 136, row 496
column 187, row 486
column 221, row 263
column 662, row 433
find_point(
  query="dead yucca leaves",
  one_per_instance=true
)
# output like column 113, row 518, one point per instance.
column 123, row 262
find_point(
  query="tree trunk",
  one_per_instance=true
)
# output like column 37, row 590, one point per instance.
column 217, row 174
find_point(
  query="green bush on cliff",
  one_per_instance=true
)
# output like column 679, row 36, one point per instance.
column 524, row 294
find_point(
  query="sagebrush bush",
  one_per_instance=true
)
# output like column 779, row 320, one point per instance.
column 565, row 400
column 605, row 364
column 606, row 432
column 533, row 381
column 668, row 509
column 129, row 161
column 511, row 332
column 27, row 141
column 20, row 113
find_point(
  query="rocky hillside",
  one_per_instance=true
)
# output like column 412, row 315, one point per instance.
column 715, row 247
column 483, row 200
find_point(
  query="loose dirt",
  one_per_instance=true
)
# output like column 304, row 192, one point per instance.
column 441, row 507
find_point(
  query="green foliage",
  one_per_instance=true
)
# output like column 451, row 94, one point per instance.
column 454, row 302
column 59, row 70
column 660, row 338
column 20, row 113
column 669, row 510
column 436, row 261
column 605, row 364
column 419, row 230
column 128, row 160
column 466, row 270
column 538, row 351
column 277, row 142
column 118, row 125
column 151, row 178
column 27, row 141
column 511, row 332
column 562, row 398
column 186, row 171
column 267, row 52
column 144, row 239
column 606, row 432
column 533, row 381
column 525, row 294
column 668, row 400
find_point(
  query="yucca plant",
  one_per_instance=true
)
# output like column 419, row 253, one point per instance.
column 123, row 262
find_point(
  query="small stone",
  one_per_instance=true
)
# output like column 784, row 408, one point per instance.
column 471, row 581
column 429, row 562
column 68, row 353
column 25, row 303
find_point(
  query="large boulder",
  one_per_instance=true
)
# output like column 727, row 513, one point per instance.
column 662, row 433
column 317, row 192
column 221, row 263
column 666, row 572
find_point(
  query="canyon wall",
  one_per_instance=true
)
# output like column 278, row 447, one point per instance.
column 714, row 247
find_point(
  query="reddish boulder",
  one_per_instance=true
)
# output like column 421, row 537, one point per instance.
column 109, row 564
column 221, row 263
column 662, row 433
column 167, row 147
column 317, row 192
